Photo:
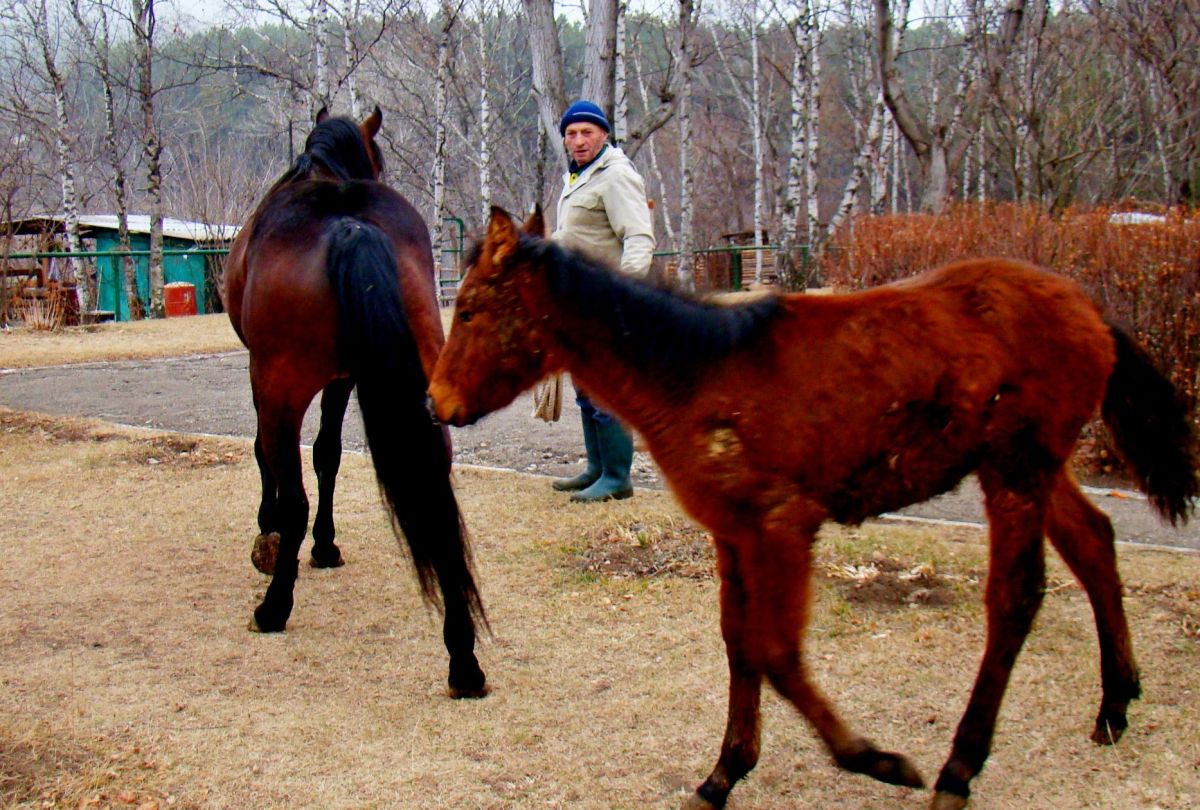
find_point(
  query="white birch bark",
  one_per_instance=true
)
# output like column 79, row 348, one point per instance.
column 441, row 93
column 62, row 144
column 349, row 23
column 812, row 128
column 144, row 29
column 756, row 118
column 97, row 39
column 485, row 127
column 684, row 60
column 320, row 39
column 795, row 164
column 620, row 120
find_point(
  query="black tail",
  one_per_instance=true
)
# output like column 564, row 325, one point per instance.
column 1152, row 429
column 410, row 452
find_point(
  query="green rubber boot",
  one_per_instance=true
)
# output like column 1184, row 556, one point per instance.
column 594, row 467
column 616, row 457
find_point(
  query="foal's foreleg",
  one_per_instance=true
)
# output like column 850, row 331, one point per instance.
column 780, row 595
column 1083, row 536
column 1015, row 585
column 327, row 460
column 740, row 747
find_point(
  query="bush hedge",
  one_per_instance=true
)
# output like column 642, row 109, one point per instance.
column 1143, row 269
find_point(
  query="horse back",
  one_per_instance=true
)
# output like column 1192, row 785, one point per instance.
column 871, row 401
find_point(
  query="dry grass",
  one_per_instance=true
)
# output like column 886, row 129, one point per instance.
column 133, row 340
column 129, row 678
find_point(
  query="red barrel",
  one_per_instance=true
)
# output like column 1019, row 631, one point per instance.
column 179, row 298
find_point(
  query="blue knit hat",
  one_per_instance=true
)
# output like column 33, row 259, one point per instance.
column 583, row 112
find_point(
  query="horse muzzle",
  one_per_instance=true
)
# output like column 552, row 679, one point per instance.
column 445, row 408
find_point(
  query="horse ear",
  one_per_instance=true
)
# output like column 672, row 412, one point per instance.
column 370, row 127
column 322, row 114
column 536, row 224
column 501, row 239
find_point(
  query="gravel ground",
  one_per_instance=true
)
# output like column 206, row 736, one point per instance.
column 211, row 394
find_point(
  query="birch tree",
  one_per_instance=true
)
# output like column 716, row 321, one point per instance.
column 687, row 255
column 450, row 10
column 95, row 34
column 940, row 140
column 37, row 15
column 144, row 23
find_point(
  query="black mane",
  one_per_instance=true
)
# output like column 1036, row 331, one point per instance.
column 658, row 329
column 336, row 145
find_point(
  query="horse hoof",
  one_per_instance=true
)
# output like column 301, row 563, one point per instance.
column 457, row 693
column 327, row 559
column 265, row 552
column 889, row 768
column 467, row 680
column 697, row 802
column 947, row 801
column 266, row 621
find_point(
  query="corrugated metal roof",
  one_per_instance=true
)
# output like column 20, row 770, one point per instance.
column 138, row 223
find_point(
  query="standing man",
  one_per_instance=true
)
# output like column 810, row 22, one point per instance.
column 602, row 212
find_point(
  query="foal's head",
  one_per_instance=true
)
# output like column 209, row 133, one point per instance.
column 496, row 348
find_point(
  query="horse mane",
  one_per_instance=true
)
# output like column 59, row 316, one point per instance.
column 658, row 328
column 336, row 145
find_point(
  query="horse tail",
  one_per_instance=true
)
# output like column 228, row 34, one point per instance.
column 410, row 452
column 1152, row 429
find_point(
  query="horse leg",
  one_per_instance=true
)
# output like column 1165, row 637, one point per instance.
column 764, row 611
column 279, row 432
column 1016, row 580
column 780, row 580
column 1083, row 537
column 266, row 545
column 327, row 460
column 740, row 747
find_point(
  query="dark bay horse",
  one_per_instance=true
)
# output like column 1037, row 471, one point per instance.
column 771, row 417
column 330, row 285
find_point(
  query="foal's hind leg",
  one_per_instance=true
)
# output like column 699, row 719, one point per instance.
column 1083, row 536
column 327, row 460
column 1016, row 580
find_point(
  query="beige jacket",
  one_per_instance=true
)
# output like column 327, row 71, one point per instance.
column 604, row 214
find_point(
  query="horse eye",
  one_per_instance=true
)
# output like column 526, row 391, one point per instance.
column 465, row 317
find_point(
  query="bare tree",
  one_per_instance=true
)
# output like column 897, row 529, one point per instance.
column 940, row 141
column 95, row 32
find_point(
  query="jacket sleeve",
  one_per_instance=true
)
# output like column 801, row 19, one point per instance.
column 629, row 215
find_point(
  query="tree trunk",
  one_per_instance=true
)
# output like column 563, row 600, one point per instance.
column 441, row 92
column 686, row 265
column 598, row 66
column 144, row 23
column 620, row 119
column 548, row 88
column 66, row 168
column 320, row 39
column 940, row 144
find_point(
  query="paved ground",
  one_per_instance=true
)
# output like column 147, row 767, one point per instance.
column 211, row 394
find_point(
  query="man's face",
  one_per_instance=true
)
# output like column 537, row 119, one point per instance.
column 584, row 141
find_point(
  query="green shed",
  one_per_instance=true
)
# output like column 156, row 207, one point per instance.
column 188, row 247
column 180, row 263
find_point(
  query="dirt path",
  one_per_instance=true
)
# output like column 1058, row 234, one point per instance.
column 210, row 394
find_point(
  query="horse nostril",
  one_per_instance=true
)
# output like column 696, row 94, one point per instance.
column 431, row 408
